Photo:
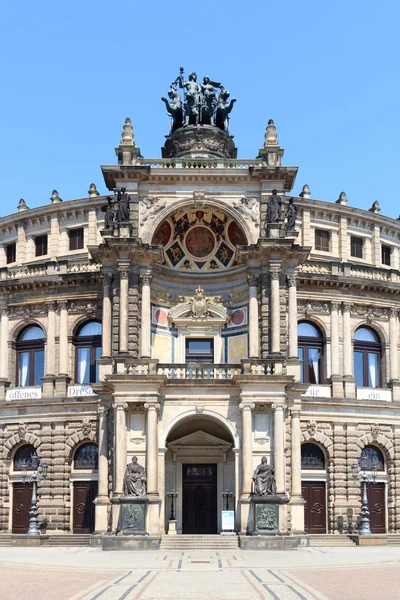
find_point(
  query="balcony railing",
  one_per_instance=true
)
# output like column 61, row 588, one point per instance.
column 202, row 370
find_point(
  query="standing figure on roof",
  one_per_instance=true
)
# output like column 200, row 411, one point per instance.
column 210, row 101
column 192, row 100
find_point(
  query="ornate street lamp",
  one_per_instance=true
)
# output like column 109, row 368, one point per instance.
column 172, row 494
column 34, row 479
column 359, row 473
column 227, row 494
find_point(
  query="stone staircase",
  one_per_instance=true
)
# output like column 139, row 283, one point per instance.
column 393, row 539
column 67, row 540
column 199, row 542
column 331, row 541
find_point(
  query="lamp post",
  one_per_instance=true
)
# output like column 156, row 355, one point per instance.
column 227, row 494
column 172, row 494
column 34, row 479
column 359, row 473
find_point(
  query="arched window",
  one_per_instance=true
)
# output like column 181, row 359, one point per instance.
column 23, row 457
column 88, row 350
column 86, row 457
column 310, row 345
column 367, row 358
column 372, row 457
column 312, row 457
column 30, row 356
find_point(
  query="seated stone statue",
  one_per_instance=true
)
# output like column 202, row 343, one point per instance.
column 134, row 479
column 264, row 479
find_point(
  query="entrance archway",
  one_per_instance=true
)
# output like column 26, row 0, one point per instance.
column 199, row 466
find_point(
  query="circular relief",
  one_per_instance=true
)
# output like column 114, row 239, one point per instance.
column 19, row 508
column 80, row 507
column 161, row 316
column 236, row 235
column 200, row 242
column 162, row 234
column 237, row 317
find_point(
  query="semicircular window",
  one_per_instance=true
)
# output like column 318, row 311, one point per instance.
column 372, row 457
column 199, row 240
column 312, row 457
column 23, row 457
column 30, row 356
column 86, row 457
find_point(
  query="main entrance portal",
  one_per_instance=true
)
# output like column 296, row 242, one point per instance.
column 199, row 498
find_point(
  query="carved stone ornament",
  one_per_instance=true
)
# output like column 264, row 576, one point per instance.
column 311, row 427
column 150, row 207
column 311, row 308
column 22, row 430
column 375, row 428
column 274, row 273
column 86, row 428
column 252, row 279
column 199, row 305
column 124, row 270
column 292, row 280
column 134, row 479
column 249, row 208
column 199, row 410
column 199, row 198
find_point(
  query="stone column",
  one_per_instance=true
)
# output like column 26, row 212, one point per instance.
column 123, row 269
column 63, row 343
column 292, row 282
column 4, row 358
column 153, row 521
column 296, row 499
column 335, row 368
column 347, row 341
column 393, row 334
column 145, row 334
column 51, row 338
column 275, row 310
column 279, row 451
column 254, row 336
column 119, row 446
column 246, row 518
column 107, row 316
column 152, row 448
column 102, row 500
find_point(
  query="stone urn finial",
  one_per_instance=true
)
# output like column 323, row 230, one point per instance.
column 22, row 205
column 375, row 208
column 127, row 137
column 305, row 192
column 342, row 198
column 270, row 136
column 55, row 198
column 92, row 192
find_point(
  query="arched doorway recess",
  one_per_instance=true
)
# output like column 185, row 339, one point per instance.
column 200, row 465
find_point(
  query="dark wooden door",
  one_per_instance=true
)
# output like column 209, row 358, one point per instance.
column 83, row 509
column 376, row 505
column 199, row 499
column 314, row 495
column 22, row 495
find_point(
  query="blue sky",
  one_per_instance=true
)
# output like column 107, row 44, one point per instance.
column 326, row 72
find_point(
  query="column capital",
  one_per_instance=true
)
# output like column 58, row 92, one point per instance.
column 50, row 305
column 276, row 407
column 252, row 279
column 4, row 311
column 274, row 272
column 103, row 411
column 120, row 405
column 246, row 406
column 347, row 306
column 393, row 312
column 124, row 269
column 145, row 278
column 295, row 413
column 292, row 279
column 152, row 406
column 335, row 305
column 62, row 305
column 106, row 279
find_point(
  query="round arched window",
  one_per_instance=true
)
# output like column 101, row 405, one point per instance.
column 30, row 356
column 86, row 457
column 88, row 350
column 23, row 457
column 372, row 457
column 312, row 457
column 367, row 357
column 310, row 345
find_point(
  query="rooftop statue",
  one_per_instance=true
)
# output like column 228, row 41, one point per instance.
column 200, row 105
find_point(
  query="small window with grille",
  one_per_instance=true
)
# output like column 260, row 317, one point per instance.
column 11, row 251
column 322, row 240
column 312, row 457
column 356, row 246
column 386, row 255
column 86, row 457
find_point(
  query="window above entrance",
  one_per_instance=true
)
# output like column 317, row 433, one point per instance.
column 199, row 350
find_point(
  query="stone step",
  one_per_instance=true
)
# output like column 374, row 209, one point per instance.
column 342, row 541
column 67, row 540
column 199, row 542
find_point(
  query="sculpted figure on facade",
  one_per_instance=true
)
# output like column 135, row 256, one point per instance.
column 264, row 479
column 249, row 208
column 191, row 103
column 274, row 210
column 291, row 215
column 134, row 479
column 123, row 200
column 224, row 108
column 110, row 213
column 174, row 108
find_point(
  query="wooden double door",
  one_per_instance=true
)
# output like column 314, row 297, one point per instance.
column 199, row 499
column 83, row 508
column 377, row 507
column 22, row 496
column 314, row 494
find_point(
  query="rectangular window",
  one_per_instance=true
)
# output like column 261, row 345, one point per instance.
column 322, row 240
column 76, row 239
column 199, row 350
column 301, row 357
column 11, row 250
column 83, row 365
column 41, row 245
column 359, row 368
column 356, row 246
column 386, row 255
column 39, row 367
column 372, row 370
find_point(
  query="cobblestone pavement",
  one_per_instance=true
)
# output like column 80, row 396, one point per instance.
column 308, row 574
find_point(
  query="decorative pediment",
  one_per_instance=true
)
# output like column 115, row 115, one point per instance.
column 198, row 310
column 199, row 438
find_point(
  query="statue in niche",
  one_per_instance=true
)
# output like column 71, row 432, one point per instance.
column 134, row 479
column 264, row 479
column 274, row 210
column 123, row 200
column 291, row 214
